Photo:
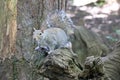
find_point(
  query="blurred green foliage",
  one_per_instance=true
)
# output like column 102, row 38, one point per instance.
column 99, row 3
column 118, row 32
column 111, row 38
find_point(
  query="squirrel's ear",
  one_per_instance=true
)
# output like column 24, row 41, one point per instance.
column 34, row 29
column 42, row 29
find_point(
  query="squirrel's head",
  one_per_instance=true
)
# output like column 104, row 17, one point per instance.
column 37, row 34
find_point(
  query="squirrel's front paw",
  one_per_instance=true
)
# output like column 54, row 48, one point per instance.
column 50, row 52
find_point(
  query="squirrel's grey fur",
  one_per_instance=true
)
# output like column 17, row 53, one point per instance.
column 52, row 38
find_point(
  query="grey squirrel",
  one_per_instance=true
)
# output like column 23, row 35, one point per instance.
column 51, row 39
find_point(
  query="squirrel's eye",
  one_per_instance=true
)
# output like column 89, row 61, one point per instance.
column 40, row 34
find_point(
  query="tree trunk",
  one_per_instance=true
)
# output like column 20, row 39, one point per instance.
column 8, row 27
column 112, row 63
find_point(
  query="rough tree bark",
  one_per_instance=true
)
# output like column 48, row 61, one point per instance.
column 112, row 63
column 19, row 61
column 8, row 27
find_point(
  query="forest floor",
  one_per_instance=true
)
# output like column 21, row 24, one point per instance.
column 104, row 21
